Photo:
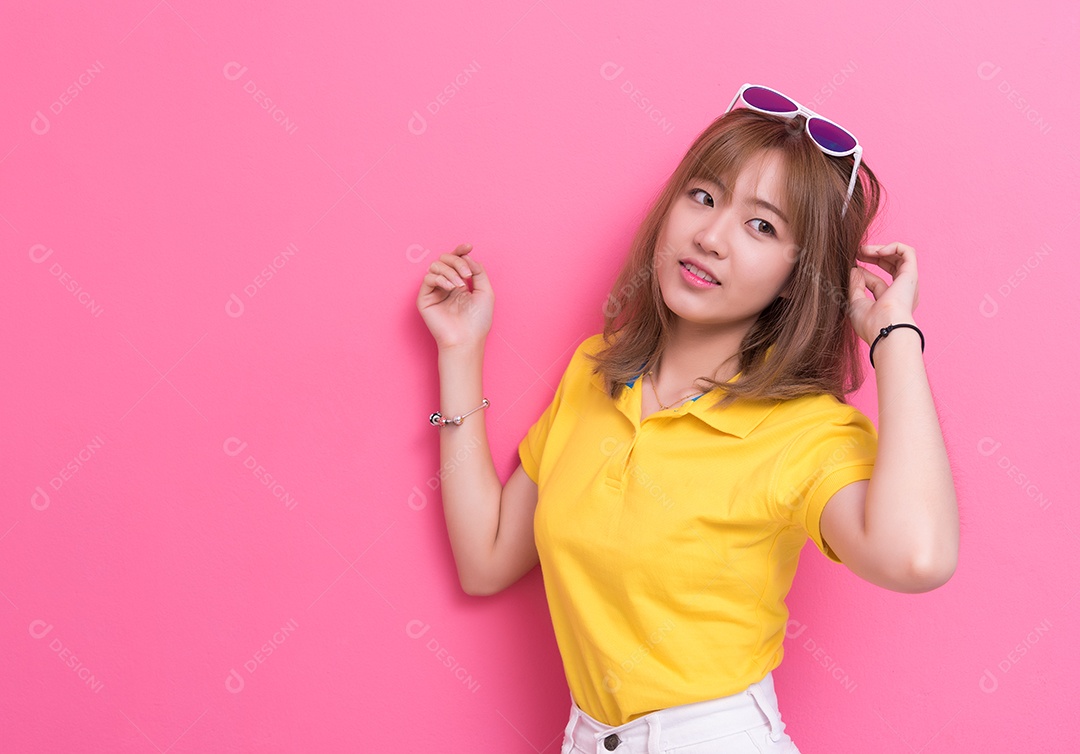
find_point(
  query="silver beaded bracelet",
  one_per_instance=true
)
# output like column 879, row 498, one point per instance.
column 437, row 419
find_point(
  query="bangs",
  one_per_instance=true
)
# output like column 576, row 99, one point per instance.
column 741, row 139
column 724, row 163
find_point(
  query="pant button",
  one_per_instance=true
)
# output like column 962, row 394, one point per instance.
column 611, row 742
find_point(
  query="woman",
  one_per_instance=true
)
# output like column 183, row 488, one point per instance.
column 668, row 527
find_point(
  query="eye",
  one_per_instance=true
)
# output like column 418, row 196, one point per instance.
column 765, row 227
column 694, row 191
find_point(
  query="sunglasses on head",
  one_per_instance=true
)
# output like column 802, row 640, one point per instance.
column 829, row 137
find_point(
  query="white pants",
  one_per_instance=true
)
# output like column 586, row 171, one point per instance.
column 748, row 721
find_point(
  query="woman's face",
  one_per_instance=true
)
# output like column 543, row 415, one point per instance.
column 739, row 237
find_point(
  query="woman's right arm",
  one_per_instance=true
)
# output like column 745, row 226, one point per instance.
column 490, row 527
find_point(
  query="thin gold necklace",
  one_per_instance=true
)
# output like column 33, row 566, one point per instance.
column 662, row 406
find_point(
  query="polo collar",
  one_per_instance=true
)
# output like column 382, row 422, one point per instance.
column 738, row 419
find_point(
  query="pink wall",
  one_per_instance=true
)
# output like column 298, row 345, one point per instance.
column 215, row 223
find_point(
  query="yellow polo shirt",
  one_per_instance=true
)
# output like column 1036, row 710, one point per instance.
column 668, row 546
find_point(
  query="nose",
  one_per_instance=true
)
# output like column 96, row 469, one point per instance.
column 715, row 231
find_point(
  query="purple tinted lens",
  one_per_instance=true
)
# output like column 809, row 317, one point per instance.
column 763, row 99
column 829, row 136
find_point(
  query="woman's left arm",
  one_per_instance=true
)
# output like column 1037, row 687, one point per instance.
column 909, row 538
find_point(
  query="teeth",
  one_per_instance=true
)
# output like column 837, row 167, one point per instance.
column 700, row 273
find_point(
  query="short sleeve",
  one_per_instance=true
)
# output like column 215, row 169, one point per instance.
column 531, row 448
column 833, row 453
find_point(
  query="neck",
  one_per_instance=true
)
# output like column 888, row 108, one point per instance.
column 695, row 351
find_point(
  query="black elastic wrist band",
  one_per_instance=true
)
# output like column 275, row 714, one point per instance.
column 886, row 330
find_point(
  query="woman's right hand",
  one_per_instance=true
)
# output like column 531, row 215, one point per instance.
column 455, row 315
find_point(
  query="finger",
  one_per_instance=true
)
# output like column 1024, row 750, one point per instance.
column 860, row 283
column 909, row 262
column 877, row 285
column 883, row 256
column 433, row 283
column 445, row 280
column 451, row 274
column 458, row 264
column 856, row 285
column 901, row 260
column 857, row 291
column 434, row 291
column 888, row 248
column 456, row 259
column 895, row 250
column 460, row 250
column 870, row 253
column 479, row 275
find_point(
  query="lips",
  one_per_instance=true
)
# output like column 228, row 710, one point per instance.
column 690, row 263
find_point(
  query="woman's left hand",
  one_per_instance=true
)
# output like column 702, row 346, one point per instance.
column 891, row 303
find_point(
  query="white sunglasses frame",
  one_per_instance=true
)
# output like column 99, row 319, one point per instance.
column 809, row 115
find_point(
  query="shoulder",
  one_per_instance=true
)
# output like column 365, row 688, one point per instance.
column 578, row 373
column 581, row 373
column 820, row 415
column 820, row 438
column 590, row 346
column 819, row 406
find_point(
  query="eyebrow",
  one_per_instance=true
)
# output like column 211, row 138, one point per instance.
column 757, row 201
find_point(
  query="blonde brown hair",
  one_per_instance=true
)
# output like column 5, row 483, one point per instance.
column 814, row 348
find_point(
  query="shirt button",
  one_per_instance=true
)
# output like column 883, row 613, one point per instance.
column 611, row 742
